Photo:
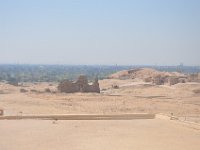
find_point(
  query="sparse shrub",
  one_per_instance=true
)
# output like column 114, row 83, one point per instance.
column 36, row 91
column 33, row 90
column 196, row 91
column 23, row 90
column 47, row 90
column 14, row 83
column 2, row 92
column 103, row 89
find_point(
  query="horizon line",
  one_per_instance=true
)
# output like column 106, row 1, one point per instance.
column 135, row 65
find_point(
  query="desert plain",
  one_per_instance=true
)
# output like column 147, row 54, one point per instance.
column 181, row 101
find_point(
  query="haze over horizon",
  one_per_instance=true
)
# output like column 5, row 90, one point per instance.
column 88, row 32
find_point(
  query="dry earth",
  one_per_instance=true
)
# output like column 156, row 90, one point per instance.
column 153, row 134
column 132, row 97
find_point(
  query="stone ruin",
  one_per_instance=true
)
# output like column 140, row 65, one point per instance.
column 159, row 80
column 195, row 77
column 81, row 85
column 171, row 80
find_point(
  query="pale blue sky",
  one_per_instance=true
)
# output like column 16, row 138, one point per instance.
column 124, row 32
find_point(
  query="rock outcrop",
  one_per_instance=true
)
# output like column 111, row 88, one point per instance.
column 81, row 85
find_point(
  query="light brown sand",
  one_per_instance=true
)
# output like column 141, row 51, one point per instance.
column 154, row 134
column 131, row 97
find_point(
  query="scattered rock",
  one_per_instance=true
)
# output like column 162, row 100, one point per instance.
column 196, row 91
column 36, row 91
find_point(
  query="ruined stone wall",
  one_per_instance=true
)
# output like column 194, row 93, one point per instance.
column 81, row 85
column 170, row 80
column 68, row 87
column 159, row 80
column 93, row 88
column 182, row 80
column 173, row 80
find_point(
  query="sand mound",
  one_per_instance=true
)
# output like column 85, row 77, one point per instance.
column 142, row 73
column 151, row 75
column 120, row 75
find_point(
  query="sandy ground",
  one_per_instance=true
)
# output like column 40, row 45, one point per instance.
column 131, row 97
column 153, row 134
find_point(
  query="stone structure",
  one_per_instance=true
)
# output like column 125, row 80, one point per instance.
column 182, row 79
column 195, row 77
column 159, row 80
column 173, row 80
column 81, row 85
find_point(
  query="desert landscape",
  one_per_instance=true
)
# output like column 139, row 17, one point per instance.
column 123, row 93
column 99, row 75
column 116, row 96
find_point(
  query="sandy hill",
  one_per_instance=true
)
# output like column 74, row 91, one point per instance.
column 142, row 73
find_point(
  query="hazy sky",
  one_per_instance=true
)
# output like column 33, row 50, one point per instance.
column 124, row 32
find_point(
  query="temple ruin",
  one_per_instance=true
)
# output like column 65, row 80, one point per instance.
column 81, row 85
